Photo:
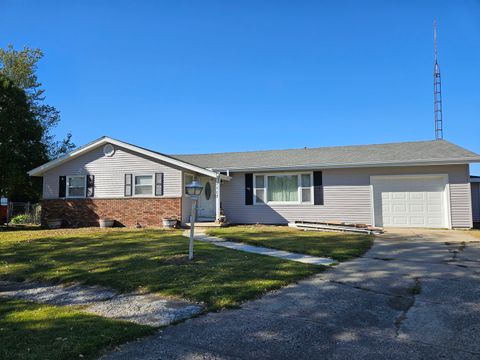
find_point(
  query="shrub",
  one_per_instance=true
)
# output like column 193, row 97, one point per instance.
column 21, row 219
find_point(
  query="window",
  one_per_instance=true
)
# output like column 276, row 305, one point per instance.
column 208, row 190
column 259, row 190
column 306, row 188
column 76, row 186
column 143, row 185
column 283, row 188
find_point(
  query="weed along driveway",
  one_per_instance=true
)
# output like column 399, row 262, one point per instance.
column 414, row 295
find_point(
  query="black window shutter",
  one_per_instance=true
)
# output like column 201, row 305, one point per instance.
column 317, row 188
column 90, row 185
column 249, row 189
column 62, row 186
column 128, row 184
column 159, row 184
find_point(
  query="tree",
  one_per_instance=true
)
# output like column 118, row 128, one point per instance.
column 21, row 67
column 21, row 145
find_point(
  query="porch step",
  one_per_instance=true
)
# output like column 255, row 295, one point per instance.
column 207, row 224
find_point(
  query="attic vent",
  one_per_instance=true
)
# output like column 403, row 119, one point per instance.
column 108, row 150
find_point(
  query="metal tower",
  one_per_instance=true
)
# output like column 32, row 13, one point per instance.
column 437, row 90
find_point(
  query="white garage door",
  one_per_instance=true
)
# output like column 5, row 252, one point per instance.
column 410, row 201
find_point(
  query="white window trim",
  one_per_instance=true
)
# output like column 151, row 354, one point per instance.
column 299, row 188
column 152, row 175
column 67, row 190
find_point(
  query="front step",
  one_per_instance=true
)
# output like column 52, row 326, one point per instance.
column 207, row 224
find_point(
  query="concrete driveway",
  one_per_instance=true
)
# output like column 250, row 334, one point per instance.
column 415, row 295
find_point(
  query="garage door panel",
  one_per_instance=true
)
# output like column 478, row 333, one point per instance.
column 417, row 196
column 410, row 202
column 435, row 222
column 400, row 220
column 417, row 220
column 416, row 208
column 432, row 208
column 434, row 196
column 399, row 208
column 399, row 196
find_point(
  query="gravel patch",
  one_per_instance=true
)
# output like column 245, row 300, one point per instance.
column 145, row 309
column 55, row 294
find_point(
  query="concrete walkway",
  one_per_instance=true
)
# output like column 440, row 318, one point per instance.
column 415, row 295
column 286, row 255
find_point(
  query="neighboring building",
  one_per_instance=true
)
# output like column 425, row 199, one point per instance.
column 3, row 210
column 411, row 184
column 475, row 183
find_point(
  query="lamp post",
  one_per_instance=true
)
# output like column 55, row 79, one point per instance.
column 193, row 190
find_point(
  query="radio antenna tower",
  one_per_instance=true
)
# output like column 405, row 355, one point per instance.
column 437, row 90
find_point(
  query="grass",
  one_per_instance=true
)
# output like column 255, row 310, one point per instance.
column 338, row 246
column 31, row 331
column 145, row 260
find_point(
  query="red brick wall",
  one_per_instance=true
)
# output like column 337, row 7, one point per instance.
column 126, row 212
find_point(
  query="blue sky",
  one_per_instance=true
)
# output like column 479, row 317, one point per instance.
column 250, row 75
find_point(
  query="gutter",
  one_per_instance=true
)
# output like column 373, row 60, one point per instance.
column 358, row 165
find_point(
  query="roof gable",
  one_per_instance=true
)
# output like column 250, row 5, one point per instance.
column 39, row 171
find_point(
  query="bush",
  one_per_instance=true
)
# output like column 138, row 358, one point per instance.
column 21, row 219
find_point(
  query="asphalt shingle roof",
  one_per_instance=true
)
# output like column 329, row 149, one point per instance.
column 436, row 151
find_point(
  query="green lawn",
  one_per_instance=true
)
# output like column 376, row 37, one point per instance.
column 338, row 246
column 145, row 260
column 31, row 331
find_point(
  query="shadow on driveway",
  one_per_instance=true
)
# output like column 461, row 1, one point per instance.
column 414, row 295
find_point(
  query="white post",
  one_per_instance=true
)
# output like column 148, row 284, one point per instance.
column 192, row 228
column 217, row 198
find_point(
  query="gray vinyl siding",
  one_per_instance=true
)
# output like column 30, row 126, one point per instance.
column 347, row 197
column 109, row 173
column 475, row 188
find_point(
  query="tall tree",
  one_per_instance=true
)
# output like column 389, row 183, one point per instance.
column 21, row 68
column 21, row 145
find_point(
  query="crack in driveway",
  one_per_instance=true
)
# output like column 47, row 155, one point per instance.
column 405, row 306
column 399, row 306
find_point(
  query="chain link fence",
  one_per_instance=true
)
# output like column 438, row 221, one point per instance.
column 24, row 213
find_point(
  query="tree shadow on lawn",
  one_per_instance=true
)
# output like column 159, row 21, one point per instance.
column 34, row 331
column 150, row 261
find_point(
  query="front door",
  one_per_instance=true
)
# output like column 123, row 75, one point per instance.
column 206, row 201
